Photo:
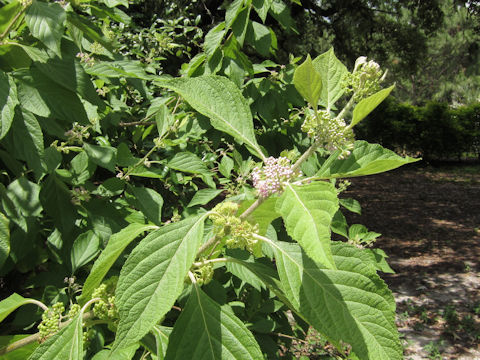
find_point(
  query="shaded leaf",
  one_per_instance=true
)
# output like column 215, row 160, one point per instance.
column 205, row 330
column 220, row 100
column 8, row 101
column 4, row 239
column 149, row 203
column 104, row 156
column 85, row 248
column 153, row 277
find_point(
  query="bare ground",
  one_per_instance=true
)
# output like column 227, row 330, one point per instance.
column 430, row 224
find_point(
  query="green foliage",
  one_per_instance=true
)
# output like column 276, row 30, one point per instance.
column 137, row 194
column 434, row 130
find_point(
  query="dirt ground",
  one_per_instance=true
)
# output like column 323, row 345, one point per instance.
column 429, row 218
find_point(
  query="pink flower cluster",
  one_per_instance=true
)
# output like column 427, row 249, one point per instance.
column 270, row 178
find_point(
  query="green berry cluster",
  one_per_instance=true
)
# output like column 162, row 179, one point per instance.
column 237, row 233
column 365, row 79
column 331, row 132
column 51, row 321
column 105, row 309
column 73, row 311
column 203, row 273
column 88, row 335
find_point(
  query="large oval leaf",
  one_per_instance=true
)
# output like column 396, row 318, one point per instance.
column 206, row 331
column 365, row 159
column 220, row 100
column 307, row 212
column 351, row 304
column 153, row 277
column 45, row 22
column 8, row 101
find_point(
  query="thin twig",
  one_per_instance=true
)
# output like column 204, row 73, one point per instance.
column 135, row 123
column 9, row 27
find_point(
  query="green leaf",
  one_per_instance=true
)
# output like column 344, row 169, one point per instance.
column 351, row 304
column 220, row 100
column 365, row 159
column 118, row 69
column 213, row 39
column 26, row 127
column 89, row 29
column 226, row 166
column 104, row 156
column 352, row 205
column 4, row 239
column 149, row 203
column 40, row 95
column 10, row 304
column 8, row 13
column 366, row 106
column 56, row 200
column 18, row 354
column 153, row 277
column 66, row 344
column 232, row 12
column 191, row 163
column 262, row 7
column 162, row 335
column 25, row 196
column 68, row 73
column 263, row 215
column 8, row 101
column 205, row 330
column 332, row 72
column 259, row 36
column 204, row 196
column 46, row 23
column 379, row 261
column 307, row 211
column 339, row 224
column 308, row 82
column 85, row 248
column 115, row 246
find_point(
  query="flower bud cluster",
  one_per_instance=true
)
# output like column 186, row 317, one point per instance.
column 86, row 58
column 269, row 179
column 77, row 134
column 237, row 233
column 105, row 309
column 203, row 273
column 332, row 133
column 365, row 79
column 50, row 321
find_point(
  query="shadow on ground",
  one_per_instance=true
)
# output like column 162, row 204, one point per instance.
column 430, row 224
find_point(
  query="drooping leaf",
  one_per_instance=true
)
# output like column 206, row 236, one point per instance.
column 149, row 202
column 57, row 203
column 66, row 344
column 365, row 159
column 68, row 73
column 46, row 23
column 366, row 106
column 232, row 11
column 213, row 39
column 204, row 196
column 119, row 68
column 162, row 334
column 104, row 156
column 219, row 99
column 153, row 277
column 262, row 7
column 85, row 247
column 206, row 331
column 352, row 205
column 307, row 212
column 10, row 304
column 332, row 73
column 26, row 127
column 89, row 29
column 260, row 37
column 308, row 82
column 4, row 239
column 115, row 246
column 8, row 101
column 351, row 304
